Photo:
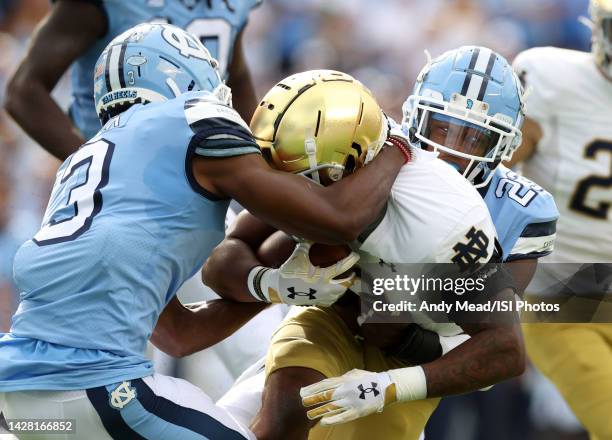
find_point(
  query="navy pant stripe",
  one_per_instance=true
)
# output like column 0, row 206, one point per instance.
column 188, row 418
column 111, row 418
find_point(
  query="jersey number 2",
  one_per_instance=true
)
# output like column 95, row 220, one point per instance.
column 85, row 197
column 578, row 200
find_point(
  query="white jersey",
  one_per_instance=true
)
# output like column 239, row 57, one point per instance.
column 572, row 102
column 431, row 209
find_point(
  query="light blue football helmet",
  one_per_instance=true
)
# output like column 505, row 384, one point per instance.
column 153, row 63
column 467, row 104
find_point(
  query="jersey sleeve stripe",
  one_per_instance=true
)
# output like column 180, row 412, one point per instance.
column 209, row 110
column 540, row 229
column 224, row 153
column 218, row 137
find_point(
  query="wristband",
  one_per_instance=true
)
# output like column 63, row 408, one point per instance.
column 399, row 143
column 254, row 283
column 410, row 383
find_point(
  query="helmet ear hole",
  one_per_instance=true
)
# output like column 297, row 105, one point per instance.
column 349, row 165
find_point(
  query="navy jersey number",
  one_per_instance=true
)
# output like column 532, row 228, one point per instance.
column 83, row 198
column 579, row 198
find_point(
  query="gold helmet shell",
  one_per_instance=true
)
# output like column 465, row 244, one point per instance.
column 320, row 123
column 601, row 26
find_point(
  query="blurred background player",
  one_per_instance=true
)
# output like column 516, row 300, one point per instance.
column 75, row 32
column 133, row 214
column 568, row 148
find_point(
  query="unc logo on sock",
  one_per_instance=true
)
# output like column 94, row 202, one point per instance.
column 365, row 391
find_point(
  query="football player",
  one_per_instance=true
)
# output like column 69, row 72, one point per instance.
column 135, row 212
column 73, row 35
column 568, row 148
column 432, row 209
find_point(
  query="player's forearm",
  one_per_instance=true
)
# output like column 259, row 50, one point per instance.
column 207, row 323
column 332, row 215
column 42, row 119
column 227, row 269
column 185, row 329
column 360, row 197
column 488, row 357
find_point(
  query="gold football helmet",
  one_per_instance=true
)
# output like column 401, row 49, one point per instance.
column 601, row 26
column 319, row 123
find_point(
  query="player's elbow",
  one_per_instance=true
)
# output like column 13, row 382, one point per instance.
column 344, row 230
column 13, row 100
column 213, row 278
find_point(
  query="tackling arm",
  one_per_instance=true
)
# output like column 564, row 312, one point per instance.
column 64, row 35
column 185, row 329
column 331, row 215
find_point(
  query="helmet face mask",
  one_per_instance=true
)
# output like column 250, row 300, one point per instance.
column 321, row 124
column 461, row 127
column 152, row 63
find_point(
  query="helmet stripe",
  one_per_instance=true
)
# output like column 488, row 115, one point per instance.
column 468, row 77
column 121, row 64
column 113, row 69
column 485, row 82
column 477, row 81
column 107, row 73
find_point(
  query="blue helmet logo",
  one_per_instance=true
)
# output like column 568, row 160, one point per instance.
column 470, row 103
column 151, row 63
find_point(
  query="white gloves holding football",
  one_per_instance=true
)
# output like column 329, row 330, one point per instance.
column 298, row 282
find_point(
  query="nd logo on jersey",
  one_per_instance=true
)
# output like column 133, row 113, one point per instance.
column 469, row 254
column 122, row 395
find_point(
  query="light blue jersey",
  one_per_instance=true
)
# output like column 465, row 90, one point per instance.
column 524, row 214
column 126, row 225
column 216, row 22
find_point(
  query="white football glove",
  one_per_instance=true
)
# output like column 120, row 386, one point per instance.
column 298, row 282
column 356, row 394
column 360, row 393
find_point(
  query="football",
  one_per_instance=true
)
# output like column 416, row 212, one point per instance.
column 275, row 250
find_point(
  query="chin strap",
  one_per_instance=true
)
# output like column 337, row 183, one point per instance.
column 310, row 146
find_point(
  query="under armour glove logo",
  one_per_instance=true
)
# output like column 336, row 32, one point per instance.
column 310, row 294
column 365, row 391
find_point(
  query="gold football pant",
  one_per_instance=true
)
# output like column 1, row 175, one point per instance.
column 577, row 358
column 317, row 338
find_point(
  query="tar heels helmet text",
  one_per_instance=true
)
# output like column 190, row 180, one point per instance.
column 468, row 105
column 153, row 63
